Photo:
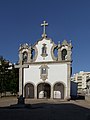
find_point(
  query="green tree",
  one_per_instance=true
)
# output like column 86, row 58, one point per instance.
column 14, row 78
column 8, row 77
column 3, row 73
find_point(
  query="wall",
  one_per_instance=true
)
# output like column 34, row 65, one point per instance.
column 39, row 48
column 56, row 73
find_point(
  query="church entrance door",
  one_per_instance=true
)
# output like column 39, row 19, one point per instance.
column 58, row 91
column 43, row 90
column 29, row 90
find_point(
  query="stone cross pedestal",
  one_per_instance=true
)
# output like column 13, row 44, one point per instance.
column 21, row 86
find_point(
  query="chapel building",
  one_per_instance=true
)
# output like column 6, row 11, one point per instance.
column 45, row 69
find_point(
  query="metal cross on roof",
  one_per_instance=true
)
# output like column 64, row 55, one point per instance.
column 44, row 28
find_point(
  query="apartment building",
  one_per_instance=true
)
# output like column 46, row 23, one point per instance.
column 82, row 79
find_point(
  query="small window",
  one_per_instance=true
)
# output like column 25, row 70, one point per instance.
column 43, row 71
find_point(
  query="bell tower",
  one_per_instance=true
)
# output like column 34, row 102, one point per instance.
column 25, row 53
column 64, row 51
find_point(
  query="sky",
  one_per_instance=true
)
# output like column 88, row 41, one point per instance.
column 20, row 22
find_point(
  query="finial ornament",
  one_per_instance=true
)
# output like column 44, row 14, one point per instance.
column 44, row 28
column 70, row 42
column 58, row 42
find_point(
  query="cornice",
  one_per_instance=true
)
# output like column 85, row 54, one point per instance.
column 50, row 62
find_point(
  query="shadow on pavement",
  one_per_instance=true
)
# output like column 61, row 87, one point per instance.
column 79, row 97
column 45, row 111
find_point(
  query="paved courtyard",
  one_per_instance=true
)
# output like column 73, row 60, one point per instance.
column 44, row 110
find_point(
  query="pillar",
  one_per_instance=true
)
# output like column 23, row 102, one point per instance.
column 59, row 52
column 35, row 92
column 29, row 54
column 68, row 80
column 51, row 92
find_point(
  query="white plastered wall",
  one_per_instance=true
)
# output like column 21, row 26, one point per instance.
column 56, row 73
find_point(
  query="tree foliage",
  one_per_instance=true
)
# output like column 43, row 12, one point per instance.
column 8, row 77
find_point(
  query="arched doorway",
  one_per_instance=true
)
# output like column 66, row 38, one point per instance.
column 43, row 90
column 29, row 90
column 58, row 91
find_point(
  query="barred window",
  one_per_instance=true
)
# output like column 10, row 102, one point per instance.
column 43, row 71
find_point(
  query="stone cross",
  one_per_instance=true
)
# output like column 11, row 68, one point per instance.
column 21, row 76
column 44, row 28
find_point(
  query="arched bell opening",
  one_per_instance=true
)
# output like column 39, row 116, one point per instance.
column 25, row 56
column 64, row 54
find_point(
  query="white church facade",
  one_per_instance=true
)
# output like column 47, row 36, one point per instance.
column 45, row 69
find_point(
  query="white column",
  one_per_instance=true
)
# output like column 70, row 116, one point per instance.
column 51, row 92
column 68, row 80
column 35, row 92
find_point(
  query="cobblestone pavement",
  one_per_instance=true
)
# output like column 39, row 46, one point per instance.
column 44, row 110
